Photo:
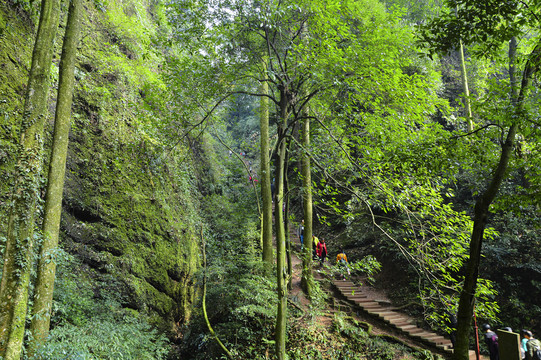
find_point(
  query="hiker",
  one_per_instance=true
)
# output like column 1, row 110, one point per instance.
column 342, row 261
column 315, row 242
column 533, row 347
column 524, row 341
column 300, row 232
column 322, row 251
column 491, row 339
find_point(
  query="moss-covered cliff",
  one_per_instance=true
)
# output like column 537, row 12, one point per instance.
column 131, row 199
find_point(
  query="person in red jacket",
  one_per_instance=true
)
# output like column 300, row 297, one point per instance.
column 322, row 250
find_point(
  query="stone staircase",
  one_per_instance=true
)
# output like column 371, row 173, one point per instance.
column 383, row 310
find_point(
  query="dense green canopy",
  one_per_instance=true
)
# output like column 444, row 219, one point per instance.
column 405, row 132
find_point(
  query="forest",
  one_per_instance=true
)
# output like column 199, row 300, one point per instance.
column 166, row 165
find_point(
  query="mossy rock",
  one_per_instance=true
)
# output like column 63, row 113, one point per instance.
column 129, row 213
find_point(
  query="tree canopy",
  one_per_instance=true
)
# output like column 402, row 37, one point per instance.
column 405, row 133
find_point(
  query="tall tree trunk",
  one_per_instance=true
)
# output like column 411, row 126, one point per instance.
column 20, row 232
column 281, row 266
column 43, row 296
column 307, row 280
column 481, row 210
column 466, row 89
column 464, row 77
column 286, row 219
column 266, row 229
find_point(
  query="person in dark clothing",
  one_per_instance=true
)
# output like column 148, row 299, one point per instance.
column 491, row 339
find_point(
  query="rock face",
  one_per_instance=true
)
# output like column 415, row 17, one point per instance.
column 130, row 205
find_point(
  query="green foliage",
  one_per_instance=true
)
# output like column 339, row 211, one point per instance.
column 240, row 313
column 416, row 12
column 368, row 266
column 238, row 292
column 89, row 322
column 346, row 339
column 486, row 24
column 15, row 54
column 105, row 339
column 29, row 6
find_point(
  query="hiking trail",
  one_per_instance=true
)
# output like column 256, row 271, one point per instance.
column 368, row 306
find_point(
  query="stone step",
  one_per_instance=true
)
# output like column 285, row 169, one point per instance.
column 387, row 313
column 446, row 347
column 429, row 336
column 349, row 289
column 425, row 335
column 407, row 327
column 382, row 308
column 437, row 339
column 369, row 305
column 356, row 297
column 401, row 325
column 352, row 293
column 393, row 319
column 362, row 300
column 415, row 331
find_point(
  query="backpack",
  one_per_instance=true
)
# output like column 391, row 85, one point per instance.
column 536, row 345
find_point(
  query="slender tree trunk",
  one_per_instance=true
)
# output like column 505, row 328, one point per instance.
column 43, row 296
column 266, row 229
column 465, row 88
column 307, row 280
column 286, row 219
column 20, row 232
column 481, row 210
column 281, row 266
column 464, row 76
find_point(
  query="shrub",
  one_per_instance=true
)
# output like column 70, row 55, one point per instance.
column 105, row 339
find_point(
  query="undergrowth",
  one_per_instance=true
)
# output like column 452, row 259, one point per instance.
column 89, row 321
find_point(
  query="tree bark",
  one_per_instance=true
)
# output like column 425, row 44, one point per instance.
column 43, row 296
column 286, row 219
column 281, row 265
column 307, row 279
column 266, row 229
column 20, row 233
